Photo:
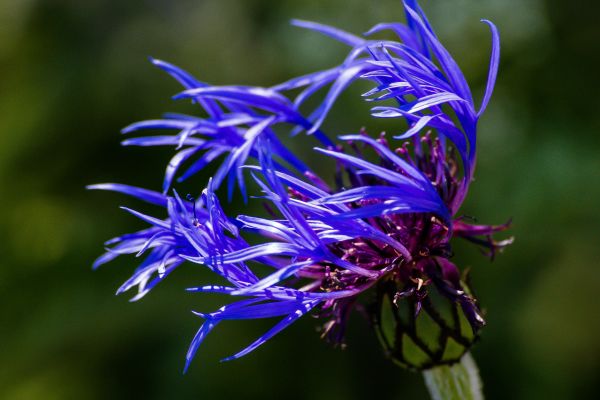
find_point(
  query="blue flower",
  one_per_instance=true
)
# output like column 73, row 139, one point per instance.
column 380, row 223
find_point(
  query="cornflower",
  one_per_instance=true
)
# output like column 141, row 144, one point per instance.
column 382, row 227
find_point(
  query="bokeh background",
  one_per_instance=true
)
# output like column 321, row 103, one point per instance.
column 73, row 73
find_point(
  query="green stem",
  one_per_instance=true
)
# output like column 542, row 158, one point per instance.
column 458, row 381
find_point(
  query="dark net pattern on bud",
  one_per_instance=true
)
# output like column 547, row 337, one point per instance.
column 381, row 224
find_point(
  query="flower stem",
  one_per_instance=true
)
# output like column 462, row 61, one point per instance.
column 459, row 381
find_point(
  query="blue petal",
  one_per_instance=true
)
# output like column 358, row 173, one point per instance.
column 371, row 192
column 189, row 82
column 212, row 289
column 158, row 124
column 174, row 165
column 252, row 96
column 275, row 277
column 337, row 34
column 287, row 321
column 146, row 195
column 348, row 76
column 493, row 71
column 447, row 62
column 380, row 172
column 387, row 153
column 202, row 162
column 404, row 33
column 402, row 206
column 204, row 330
column 161, row 141
column 127, row 247
column 416, row 127
column 146, row 218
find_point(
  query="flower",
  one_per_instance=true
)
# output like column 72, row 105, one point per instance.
column 382, row 226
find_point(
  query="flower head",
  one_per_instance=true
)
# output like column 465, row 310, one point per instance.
column 383, row 226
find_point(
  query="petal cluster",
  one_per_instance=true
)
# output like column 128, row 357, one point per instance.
column 326, row 239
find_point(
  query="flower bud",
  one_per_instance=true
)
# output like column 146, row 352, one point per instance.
column 425, row 323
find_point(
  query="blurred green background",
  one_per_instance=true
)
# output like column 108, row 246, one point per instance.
column 73, row 73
